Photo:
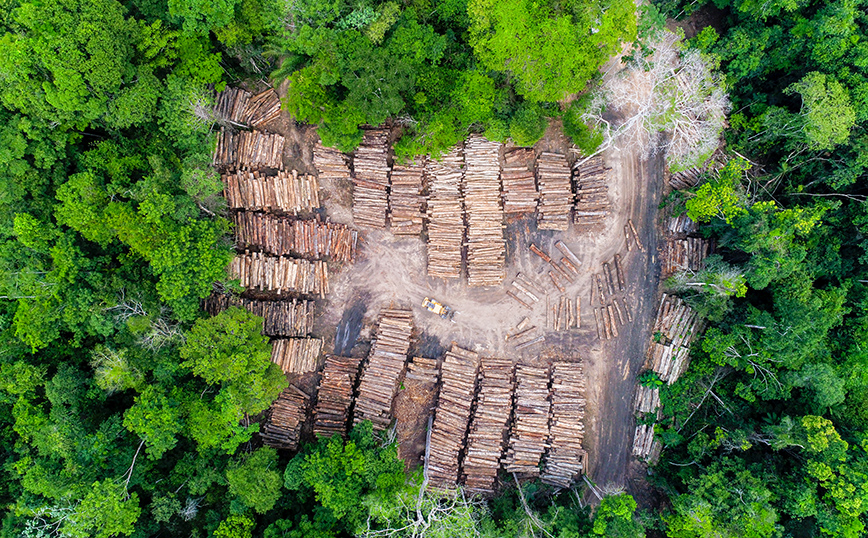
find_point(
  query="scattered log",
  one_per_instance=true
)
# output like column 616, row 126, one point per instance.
column 635, row 235
column 620, row 272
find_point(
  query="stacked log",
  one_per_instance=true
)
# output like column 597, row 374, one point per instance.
column 330, row 163
column 530, row 429
column 415, row 404
column 261, row 108
column 592, row 191
column 382, row 372
column 681, row 225
column 566, row 457
column 675, row 327
column 334, row 395
column 485, row 440
column 445, row 222
column 423, row 371
column 248, row 150
column 405, row 199
column 279, row 274
column 555, row 194
column 685, row 179
column 282, row 236
column 280, row 318
column 289, row 192
column 684, row 255
column 647, row 399
column 486, row 246
column 449, row 429
column 644, row 444
column 371, row 180
column 296, row 355
column 519, row 186
column 230, row 105
column 285, row 419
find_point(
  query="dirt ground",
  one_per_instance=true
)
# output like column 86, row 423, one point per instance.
column 391, row 271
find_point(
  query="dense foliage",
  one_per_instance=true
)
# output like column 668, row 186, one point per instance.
column 766, row 434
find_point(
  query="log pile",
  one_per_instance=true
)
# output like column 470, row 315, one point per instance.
column 519, row 186
column 647, row 399
column 334, row 395
column 423, row 371
column 330, row 163
column 555, row 193
column 289, row 192
column 485, row 440
column 644, row 444
column 681, row 225
column 239, row 107
column 675, row 327
column 592, row 191
column 280, row 318
column 486, row 246
column 281, row 236
column 414, row 404
column 685, row 179
column 285, row 419
column 449, row 429
column 279, row 274
column 445, row 222
column 566, row 457
column 371, row 180
column 249, row 150
column 382, row 371
column 296, row 355
column 530, row 428
column 405, row 199
column 684, row 255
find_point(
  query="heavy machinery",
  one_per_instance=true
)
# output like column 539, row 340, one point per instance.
column 438, row 308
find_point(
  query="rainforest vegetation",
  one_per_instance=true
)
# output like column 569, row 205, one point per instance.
column 124, row 410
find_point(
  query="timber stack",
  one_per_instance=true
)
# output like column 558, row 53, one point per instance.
column 681, row 225
column 685, row 179
column 485, row 440
column 405, row 199
column 684, row 255
column 334, row 395
column 566, row 458
column 282, row 236
column 647, row 400
column 449, row 429
column 330, row 163
column 230, row 104
column 519, row 186
column 286, row 417
column 382, row 372
column 592, row 191
column 530, row 428
column 445, row 222
column 371, row 180
column 250, row 150
column 423, row 371
column 486, row 246
column 280, row 318
column 289, row 192
column 677, row 324
column 280, row 274
column 555, row 193
column 645, row 446
column 296, row 355
column 261, row 108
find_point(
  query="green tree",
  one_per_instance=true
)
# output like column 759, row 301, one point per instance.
column 828, row 115
column 106, row 510
column 615, row 517
column 255, row 481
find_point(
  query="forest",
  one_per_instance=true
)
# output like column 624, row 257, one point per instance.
column 125, row 410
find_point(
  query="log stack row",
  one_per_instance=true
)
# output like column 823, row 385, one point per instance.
column 230, row 104
column 681, row 225
column 279, row 274
column 405, row 199
column 486, row 246
column 330, row 163
column 645, row 446
column 282, row 429
column 451, row 417
column 423, row 371
column 445, row 221
column 296, row 355
column 248, row 150
column 239, row 107
column 382, row 372
column 566, row 459
column 371, row 180
column 530, row 429
column 647, row 399
column 485, row 440
column 685, row 179
column 592, row 191
column 289, row 192
column 676, row 326
column 334, row 395
column 555, row 192
column 684, row 255
column 280, row 318
column 519, row 186
column 282, row 236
